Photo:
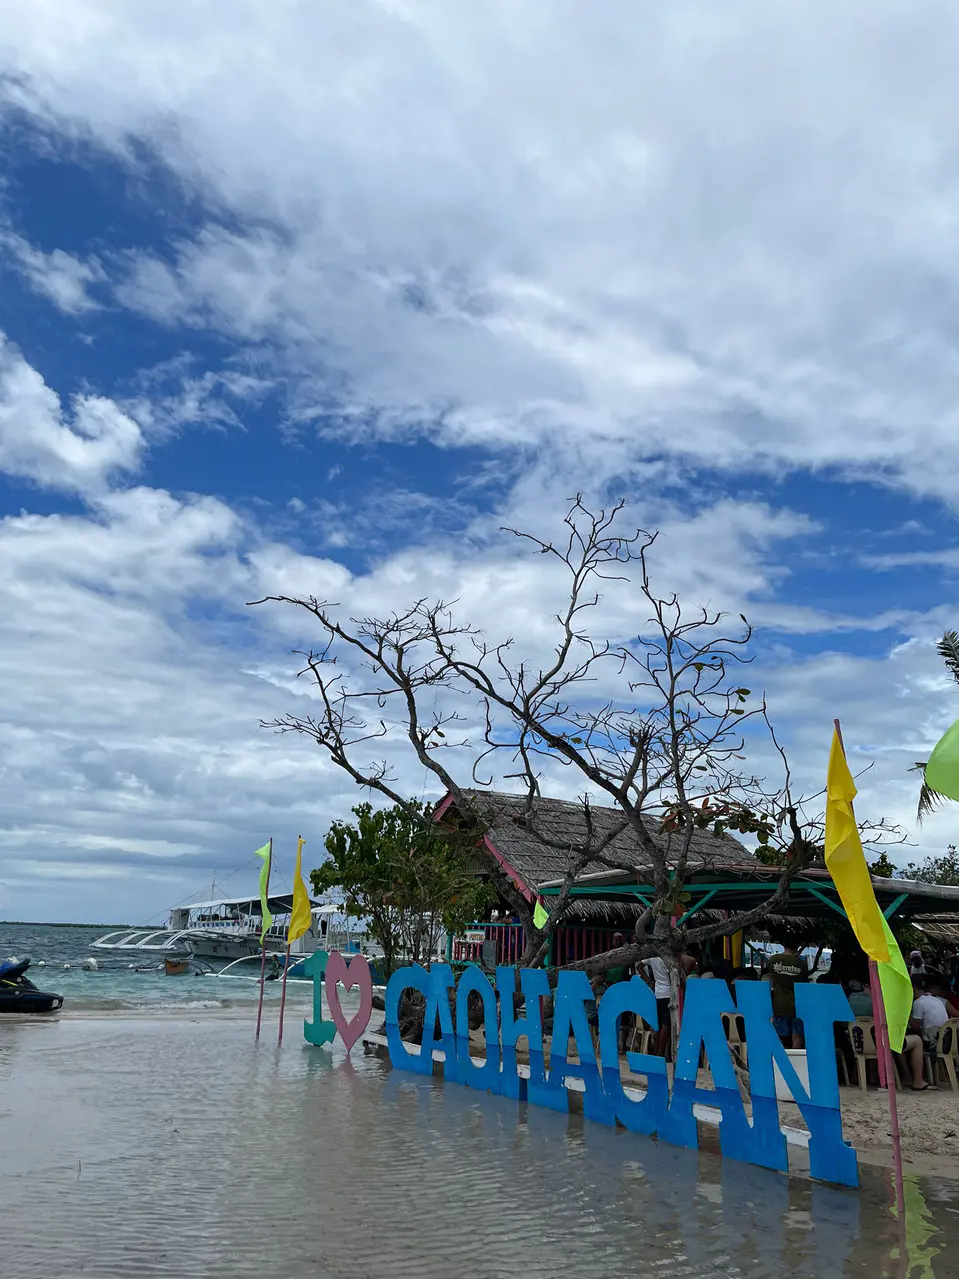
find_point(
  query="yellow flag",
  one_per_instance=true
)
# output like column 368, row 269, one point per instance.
column 301, row 915
column 897, row 992
column 846, row 861
column 540, row 915
column 266, row 853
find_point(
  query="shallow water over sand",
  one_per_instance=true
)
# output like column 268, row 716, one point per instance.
column 179, row 1149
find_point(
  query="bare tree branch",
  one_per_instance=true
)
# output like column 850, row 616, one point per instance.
column 657, row 725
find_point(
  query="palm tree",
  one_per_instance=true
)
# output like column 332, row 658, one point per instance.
column 929, row 799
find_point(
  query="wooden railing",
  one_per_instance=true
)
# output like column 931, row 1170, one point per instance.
column 569, row 944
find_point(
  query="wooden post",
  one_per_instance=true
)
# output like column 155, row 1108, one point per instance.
column 259, row 1007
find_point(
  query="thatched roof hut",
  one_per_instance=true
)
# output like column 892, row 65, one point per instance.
column 722, row 875
column 536, row 852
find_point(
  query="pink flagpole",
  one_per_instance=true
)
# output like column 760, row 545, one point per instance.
column 259, row 1007
column 878, row 1016
column 884, row 1060
column 286, row 967
column 884, row 1050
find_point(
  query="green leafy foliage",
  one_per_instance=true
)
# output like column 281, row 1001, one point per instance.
column 405, row 874
column 883, row 867
column 936, row 870
column 929, row 799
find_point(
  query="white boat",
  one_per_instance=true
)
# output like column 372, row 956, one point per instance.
column 224, row 928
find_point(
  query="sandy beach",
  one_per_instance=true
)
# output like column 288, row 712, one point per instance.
column 177, row 1148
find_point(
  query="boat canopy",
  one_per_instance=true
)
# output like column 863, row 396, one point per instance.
column 278, row 903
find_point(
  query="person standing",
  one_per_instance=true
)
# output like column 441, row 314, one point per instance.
column 784, row 971
column 621, row 972
column 657, row 976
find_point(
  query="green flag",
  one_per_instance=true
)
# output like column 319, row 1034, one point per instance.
column 942, row 771
column 897, row 992
column 266, row 852
column 540, row 915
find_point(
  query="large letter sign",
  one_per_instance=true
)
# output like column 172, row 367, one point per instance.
column 758, row 1140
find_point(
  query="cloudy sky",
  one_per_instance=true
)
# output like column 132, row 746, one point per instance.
column 299, row 296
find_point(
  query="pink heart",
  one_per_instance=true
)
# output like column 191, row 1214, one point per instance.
column 357, row 973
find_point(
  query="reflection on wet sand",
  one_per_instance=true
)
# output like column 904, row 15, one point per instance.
column 177, row 1149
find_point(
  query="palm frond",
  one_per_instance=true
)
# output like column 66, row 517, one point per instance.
column 948, row 648
column 929, row 799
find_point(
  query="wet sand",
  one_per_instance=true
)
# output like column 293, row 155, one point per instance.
column 177, row 1148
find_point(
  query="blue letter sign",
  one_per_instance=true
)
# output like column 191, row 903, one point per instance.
column 759, row 1139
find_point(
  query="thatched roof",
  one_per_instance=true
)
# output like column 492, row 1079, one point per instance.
column 944, row 928
column 544, row 849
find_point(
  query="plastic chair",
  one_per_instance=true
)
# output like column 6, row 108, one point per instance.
column 641, row 1038
column 862, row 1037
column 947, row 1052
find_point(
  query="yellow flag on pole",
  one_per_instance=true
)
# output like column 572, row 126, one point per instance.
column 301, row 915
column 540, row 915
column 846, row 861
column 266, row 852
column 897, row 992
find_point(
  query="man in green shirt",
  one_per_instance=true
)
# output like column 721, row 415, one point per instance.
column 621, row 973
column 783, row 972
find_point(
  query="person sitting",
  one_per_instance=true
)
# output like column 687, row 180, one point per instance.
column 912, row 1057
column 929, row 1011
column 860, row 1000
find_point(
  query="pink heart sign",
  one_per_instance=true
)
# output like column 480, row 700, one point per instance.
column 356, row 973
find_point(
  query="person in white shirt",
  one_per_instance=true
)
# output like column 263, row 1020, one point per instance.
column 929, row 1012
column 657, row 976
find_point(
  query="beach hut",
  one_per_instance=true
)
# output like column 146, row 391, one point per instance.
column 541, row 856
column 722, row 877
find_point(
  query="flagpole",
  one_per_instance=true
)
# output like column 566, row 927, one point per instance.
column 286, row 967
column 884, row 1059
column 294, row 924
column 259, row 1007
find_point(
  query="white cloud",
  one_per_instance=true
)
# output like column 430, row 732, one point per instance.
column 129, row 734
column 77, row 451
column 721, row 235
column 59, row 276
column 622, row 245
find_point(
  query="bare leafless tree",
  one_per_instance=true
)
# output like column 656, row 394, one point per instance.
column 666, row 749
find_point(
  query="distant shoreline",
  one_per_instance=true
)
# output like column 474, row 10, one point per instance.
column 42, row 923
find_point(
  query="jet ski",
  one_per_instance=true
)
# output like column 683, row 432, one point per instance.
column 19, row 995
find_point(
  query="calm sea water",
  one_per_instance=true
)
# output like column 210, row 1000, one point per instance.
column 161, row 1148
column 117, row 987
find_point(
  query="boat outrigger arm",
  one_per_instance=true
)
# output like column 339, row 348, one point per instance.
column 123, row 939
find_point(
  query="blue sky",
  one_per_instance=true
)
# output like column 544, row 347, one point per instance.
column 320, row 298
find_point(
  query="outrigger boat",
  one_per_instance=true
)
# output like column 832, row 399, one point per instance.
column 223, row 929
column 19, row 995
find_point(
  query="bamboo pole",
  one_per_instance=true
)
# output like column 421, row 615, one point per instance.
column 884, row 1057
column 286, row 969
column 259, row 1007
